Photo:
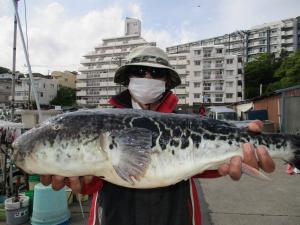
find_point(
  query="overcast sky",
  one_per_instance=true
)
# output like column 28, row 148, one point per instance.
column 61, row 31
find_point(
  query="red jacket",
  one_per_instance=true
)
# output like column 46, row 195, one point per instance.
column 168, row 105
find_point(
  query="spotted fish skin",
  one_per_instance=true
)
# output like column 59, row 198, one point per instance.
column 139, row 148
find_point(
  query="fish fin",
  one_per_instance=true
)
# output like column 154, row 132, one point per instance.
column 132, row 156
column 254, row 172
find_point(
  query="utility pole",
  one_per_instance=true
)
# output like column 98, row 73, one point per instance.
column 13, row 78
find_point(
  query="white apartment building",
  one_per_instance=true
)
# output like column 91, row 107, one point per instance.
column 215, row 77
column 95, row 83
column 268, row 37
column 274, row 37
column 209, row 75
column 45, row 86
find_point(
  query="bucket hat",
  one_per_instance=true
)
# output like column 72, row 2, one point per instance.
column 147, row 56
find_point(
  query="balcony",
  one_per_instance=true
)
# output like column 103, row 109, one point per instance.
column 81, row 101
column 81, row 85
column 287, row 33
column 180, row 91
column 219, row 77
column 218, row 88
column 81, row 93
column 81, row 76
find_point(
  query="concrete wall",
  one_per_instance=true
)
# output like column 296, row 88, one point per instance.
column 291, row 113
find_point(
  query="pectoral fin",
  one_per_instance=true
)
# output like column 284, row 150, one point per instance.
column 131, row 155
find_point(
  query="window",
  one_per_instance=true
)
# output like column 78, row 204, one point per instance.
column 262, row 42
column 217, row 72
column 229, row 61
column 197, row 73
column 197, row 84
column 219, row 50
column 229, row 84
column 273, row 31
column 206, row 86
column 207, row 64
column 262, row 34
column 207, row 52
column 180, row 66
column 197, row 52
column 229, row 95
column 197, row 62
column 263, row 49
column 219, row 63
column 181, row 57
column 52, row 85
column 197, row 95
column 41, row 94
column 219, row 97
column 206, row 74
column 229, row 72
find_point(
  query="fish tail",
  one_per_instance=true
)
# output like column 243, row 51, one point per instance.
column 295, row 145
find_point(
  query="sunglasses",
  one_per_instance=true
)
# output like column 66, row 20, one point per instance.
column 140, row 71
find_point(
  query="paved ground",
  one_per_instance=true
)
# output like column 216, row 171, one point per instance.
column 250, row 201
column 247, row 202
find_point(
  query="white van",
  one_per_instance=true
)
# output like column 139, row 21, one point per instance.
column 221, row 113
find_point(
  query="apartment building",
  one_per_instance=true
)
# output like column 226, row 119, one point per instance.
column 66, row 78
column 274, row 37
column 215, row 77
column 239, row 47
column 95, row 83
column 181, row 63
column 45, row 86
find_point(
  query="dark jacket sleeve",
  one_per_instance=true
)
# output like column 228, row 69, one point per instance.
column 94, row 186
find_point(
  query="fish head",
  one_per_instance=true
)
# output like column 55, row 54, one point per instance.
column 41, row 138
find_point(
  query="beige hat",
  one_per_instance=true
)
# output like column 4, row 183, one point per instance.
column 147, row 56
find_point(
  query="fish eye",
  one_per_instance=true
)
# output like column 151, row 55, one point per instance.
column 56, row 127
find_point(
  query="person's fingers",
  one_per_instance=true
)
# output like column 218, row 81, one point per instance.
column 223, row 169
column 75, row 184
column 256, row 126
column 249, row 155
column 58, row 182
column 265, row 160
column 235, row 167
column 46, row 179
column 87, row 179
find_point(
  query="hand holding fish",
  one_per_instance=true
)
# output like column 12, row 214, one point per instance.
column 263, row 159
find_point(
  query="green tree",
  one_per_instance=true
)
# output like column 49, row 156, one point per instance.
column 260, row 72
column 288, row 74
column 65, row 97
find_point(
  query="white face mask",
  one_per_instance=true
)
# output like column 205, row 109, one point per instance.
column 146, row 90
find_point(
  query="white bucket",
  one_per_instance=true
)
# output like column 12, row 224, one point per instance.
column 16, row 212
